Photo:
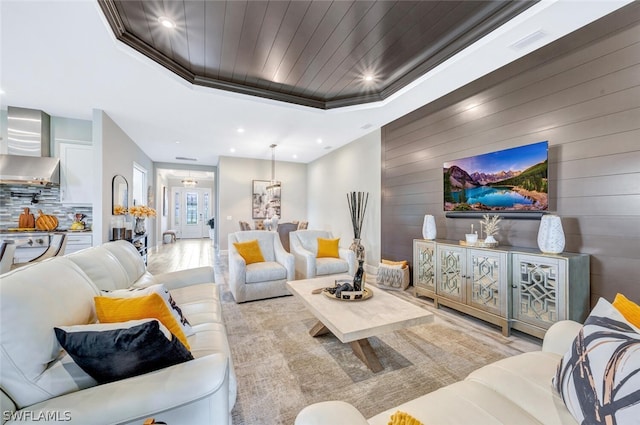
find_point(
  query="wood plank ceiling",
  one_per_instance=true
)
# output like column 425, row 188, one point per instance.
column 312, row 53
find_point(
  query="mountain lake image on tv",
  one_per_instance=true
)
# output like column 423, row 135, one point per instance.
column 513, row 179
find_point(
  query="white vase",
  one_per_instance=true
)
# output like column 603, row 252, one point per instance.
column 429, row 227
column 551, row 235
column 274, row 223
column 490, row 239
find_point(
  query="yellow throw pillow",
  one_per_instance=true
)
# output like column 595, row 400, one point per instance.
column 250, row 251
column 629, row 309
column 328, row 248
column 113, row 310
column 402, row 418
column 403, row 263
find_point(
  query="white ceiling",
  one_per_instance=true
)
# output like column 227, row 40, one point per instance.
column 61, row 57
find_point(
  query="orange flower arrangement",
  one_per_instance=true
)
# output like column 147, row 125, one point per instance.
column 142, row 211
column 119, row 210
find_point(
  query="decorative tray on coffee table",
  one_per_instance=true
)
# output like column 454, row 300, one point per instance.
column 365, row 294
column 350, row 295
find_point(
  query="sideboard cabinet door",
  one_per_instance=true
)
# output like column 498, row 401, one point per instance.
column 424, row 268
column 450, row 271
column 487, row 277
column 549, row 288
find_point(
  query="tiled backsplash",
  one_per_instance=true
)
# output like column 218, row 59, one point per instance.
column 48, row 201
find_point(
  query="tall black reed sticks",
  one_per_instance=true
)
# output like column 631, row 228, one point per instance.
column 357, row 207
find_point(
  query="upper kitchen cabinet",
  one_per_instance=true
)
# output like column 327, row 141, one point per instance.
column 72, row 138
column 76, row 173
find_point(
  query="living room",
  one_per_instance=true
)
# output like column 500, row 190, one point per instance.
column 579, row 93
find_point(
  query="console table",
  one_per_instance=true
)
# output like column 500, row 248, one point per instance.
column 140, row 243
column 514, row 288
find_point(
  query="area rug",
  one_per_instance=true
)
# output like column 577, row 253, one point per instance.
column 281, row 369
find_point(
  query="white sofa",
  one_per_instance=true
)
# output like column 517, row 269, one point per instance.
column 38, row 379
column 257, row 281
column 515, row 390
column 303, row 244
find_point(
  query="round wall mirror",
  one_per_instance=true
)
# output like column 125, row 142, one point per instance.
column 120, row 195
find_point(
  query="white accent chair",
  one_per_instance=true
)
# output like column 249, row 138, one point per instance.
column 304, row 247
column 258, row 281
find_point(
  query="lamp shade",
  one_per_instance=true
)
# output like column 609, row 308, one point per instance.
column 551, row 235
column 429, row 227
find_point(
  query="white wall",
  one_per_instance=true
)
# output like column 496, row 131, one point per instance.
column 117, row 153
column 352, row 168
column 235, row 186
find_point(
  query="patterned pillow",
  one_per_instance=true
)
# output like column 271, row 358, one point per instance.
column 599, row 377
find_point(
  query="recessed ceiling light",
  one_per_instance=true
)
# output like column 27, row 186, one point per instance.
column 295, row 156
column 166, row 22
column 368, row 77
column 241, row 130
column 177, row 142
column 319, row 141
column 232, row 150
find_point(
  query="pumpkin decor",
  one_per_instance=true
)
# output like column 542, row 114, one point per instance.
column 46, row 221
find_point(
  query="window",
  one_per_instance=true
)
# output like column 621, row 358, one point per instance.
column 139, row 185
column 192, row 208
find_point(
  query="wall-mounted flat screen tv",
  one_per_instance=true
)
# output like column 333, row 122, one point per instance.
column 513, row 179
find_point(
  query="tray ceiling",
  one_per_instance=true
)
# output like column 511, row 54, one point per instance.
column 311, row 53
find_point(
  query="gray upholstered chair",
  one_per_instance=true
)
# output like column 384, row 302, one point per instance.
column 304, row 247
column 261, row 280
column 283, row 230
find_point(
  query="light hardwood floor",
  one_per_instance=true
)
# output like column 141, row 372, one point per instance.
column 180, row 255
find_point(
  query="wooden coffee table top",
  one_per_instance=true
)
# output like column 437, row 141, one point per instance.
column 354, row 320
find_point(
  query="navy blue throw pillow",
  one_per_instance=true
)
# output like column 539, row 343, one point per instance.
column 121, row 353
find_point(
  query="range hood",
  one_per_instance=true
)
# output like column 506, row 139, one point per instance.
column 28, row 160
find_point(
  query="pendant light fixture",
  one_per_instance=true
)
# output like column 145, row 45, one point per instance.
column 189, row 182
column 274, row 186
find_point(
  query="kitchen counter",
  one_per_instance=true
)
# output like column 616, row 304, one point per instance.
column 36, row 231
column 31, row 243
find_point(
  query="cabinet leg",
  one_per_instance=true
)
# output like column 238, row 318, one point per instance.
column 506, row 330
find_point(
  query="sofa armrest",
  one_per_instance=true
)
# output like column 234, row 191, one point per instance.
column 560, row 336
column 237, row 269
column 146, row 395
column 330, row 412
column 287, row 260
column 188, row 277
column 305, row 260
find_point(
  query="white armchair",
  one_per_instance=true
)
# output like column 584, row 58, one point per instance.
column 257, row 281
column 304, row 247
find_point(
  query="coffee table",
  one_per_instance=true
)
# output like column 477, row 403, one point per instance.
column 354, row 321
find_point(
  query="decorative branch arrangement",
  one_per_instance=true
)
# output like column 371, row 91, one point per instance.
column 490, row 224
column 357, row 206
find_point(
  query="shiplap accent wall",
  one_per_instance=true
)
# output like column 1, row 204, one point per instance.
column 582, row 94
